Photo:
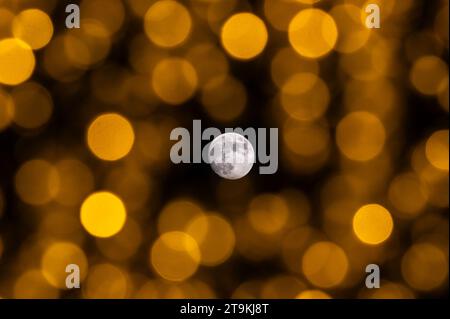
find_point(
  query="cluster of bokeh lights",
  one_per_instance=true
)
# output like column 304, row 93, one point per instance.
column 337, row 90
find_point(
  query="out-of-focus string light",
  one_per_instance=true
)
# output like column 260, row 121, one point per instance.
column 55, row 260
column 174, row 80
column 244, row 36
column 304, row 36
column 17, row 61
column 34, row 27
column 103, row 214
column 110, row 137
column 373, row 224
column 175, row 256
column 360, row 136
column 167, row 23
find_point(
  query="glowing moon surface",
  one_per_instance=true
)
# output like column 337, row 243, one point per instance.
column 231, row 155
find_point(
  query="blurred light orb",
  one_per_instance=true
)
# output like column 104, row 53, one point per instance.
column 425, row 267
column 33, row 105
column 215, row 238
column 6, row 109
column 360, row 136
column 224, row 98
column 177, row 214
column 287, row 62
column 175, row 256
column 408, row 194
column 34, row 27
column 436, row 149
column 268, row 213
column 57, row 257
column 37, row 182
column 103, row 214
column 17, row 61
column 33, row 285
column 244, row 36
column 167, row 23
column 325, row 264
column 305, row 96
column 106, row 281
column 313, row 294
column 174, row 80
column 373, row 224
column 110, row 137
column 428, row 75
column 312, row 33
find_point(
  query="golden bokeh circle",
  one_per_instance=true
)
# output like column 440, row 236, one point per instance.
column 57, row 257
column 34, row 27
column 325, row 264
column 424, row 267
column 174, row 80
column 175, row 256
column 17, row 61
column 110, row 137
column 313, row 33
column 373, row 224
column 244, row 36
column 167, row 23
column 436, row 149
column 103, row 214
column 360, row 136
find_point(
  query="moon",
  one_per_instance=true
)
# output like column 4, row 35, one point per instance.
column 231, row 155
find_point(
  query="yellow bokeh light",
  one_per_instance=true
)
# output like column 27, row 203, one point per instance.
column 353, row 34
column 373, row 224
column 209, row 61
column 360, row 136
column 325, row 264
column 224, row 98
column 268, row 213
column 436, row 149
column 305, row 97
column 244, row 36
column 287, row 62
column 175, row 256
column 33, row 105
column 174, row 80
column 103, row 214
column 425, row 267
column 37, row 182
column 428, row 75
column 57, row 257
column 313, row 33
column 177, row 214
column 110, row 137
column 34, row 27
column 408, row 194
column 17, row 61
column 306, row 139
column 106, row 281
column 167, row 23
column 215, row 238
column 32, row 285
column 313, row 294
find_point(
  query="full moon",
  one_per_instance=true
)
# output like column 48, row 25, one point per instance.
column 231, row 155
